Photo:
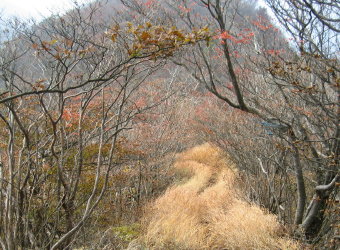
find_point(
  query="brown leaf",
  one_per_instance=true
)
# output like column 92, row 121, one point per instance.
column 145, row 36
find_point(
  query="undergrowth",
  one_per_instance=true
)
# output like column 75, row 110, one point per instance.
column 208, row 212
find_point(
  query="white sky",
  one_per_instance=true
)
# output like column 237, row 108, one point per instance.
column 34, row 8
column 40, row 8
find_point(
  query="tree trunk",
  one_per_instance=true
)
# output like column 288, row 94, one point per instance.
column 315, row 211
column 301, row 191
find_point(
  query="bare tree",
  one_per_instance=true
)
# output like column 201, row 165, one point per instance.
column 69, row 88
column 290, row 86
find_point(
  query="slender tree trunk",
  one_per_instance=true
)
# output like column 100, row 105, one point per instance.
column 301, row 191
column 10, row 192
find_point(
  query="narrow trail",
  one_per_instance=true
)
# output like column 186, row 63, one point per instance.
column 206, row 210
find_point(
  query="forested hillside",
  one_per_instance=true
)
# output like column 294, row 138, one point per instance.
column 175, row 124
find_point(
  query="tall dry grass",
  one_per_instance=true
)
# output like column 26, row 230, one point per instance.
column 207, row 212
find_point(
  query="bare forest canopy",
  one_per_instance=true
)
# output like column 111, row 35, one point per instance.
column 96, row 104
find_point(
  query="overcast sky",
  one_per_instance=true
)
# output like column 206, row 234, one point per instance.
column 38, row 8
column 34, row 8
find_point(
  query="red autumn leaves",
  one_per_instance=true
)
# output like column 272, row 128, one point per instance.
column 241, row 37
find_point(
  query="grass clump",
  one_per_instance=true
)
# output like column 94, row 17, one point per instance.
column 207, row 212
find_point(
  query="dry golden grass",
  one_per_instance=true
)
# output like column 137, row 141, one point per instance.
column 206, row 154
column 206, row 213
